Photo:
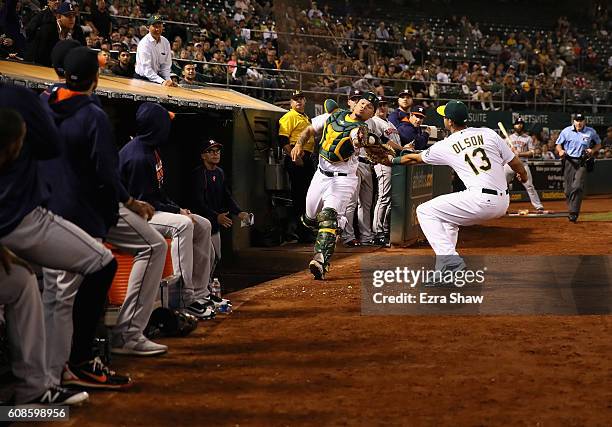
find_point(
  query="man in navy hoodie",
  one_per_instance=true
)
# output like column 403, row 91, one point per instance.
column 29, row 230
column 407, row 119
column 142, row 173
column 93, row 197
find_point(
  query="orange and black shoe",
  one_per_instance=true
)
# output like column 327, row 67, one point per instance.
column 94, row 374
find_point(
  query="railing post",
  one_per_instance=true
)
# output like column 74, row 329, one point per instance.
column 564, row 98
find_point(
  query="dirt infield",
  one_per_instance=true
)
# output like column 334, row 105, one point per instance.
column 297, row 352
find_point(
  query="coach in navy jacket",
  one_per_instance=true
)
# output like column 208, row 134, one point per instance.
column 409, row 126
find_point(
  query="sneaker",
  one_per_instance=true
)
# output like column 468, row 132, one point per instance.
column 540, row 210
column 140, row 347
column 94, row 374
column 57, row 395
column 222, row 305
column 352, row 243
column 201, row 309
column 442, row 283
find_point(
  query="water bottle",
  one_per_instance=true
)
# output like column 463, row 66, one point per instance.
column 215, row 288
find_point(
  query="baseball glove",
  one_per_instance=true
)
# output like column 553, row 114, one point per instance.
column 377, row 151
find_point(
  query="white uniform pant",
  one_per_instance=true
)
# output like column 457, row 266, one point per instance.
column 131, row 234
column 441, row 217
column 330, row 192
column 531, row 191
column 362, row 201
column 192, row 251
column 382, row 210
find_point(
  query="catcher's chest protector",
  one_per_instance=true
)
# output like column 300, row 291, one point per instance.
column 335, row 145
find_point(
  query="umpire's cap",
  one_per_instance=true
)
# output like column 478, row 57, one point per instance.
column 579, row 117
column 330, row 106
column 59, row 52
column 454, row 110
column 81, row 64
column 209, row 144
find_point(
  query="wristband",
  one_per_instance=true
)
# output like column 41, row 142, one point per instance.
column 397, row 160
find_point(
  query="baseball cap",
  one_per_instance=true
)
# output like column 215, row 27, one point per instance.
column 81, row 64
column 371, row 97
column 296, row 94
column 519, row 120
column 330, row 106
column 207, row 145
column 405, row 92
column 154, row 19
column 454, row 110
column 355, row 94
column 66, row 8
column 381, row 100
column 418, row 110
column 579, row 117
column 59, row 52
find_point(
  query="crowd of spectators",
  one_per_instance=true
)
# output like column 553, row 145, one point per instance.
column 248, row 44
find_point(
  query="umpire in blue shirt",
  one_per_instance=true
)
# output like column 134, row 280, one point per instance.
column 576, row 145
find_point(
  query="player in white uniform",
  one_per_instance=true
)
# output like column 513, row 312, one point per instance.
column 387, row 132
column 335, row 181
column 523, row 147
column 478, row 156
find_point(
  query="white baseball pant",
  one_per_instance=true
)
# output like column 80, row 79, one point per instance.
column 330, row 192
column 529, row 187
column 132, row 234
column 362, row 201
column 441, row 217
column 382, row 210
column 192, row 251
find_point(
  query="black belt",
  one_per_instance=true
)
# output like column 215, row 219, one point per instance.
column 364, row 160
column 494, row 192
column 330, row 174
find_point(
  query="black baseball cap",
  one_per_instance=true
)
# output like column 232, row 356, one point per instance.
column 579, row 117
column 355, row 94
column 81, row 64
column 66, row 8
column 418, row 110
column 519, row 120
column 59, row 52
column 297, row 94
column 207, row 145
column 405, row 92
column 457, row 111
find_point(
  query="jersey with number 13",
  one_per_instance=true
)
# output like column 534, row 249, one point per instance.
column 477, row 155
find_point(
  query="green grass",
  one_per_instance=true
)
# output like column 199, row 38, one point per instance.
column 599, row 216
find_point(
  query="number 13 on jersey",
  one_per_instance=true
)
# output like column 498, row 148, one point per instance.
column 479, row 157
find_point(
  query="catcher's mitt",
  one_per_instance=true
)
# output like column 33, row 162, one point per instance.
column 377, row 151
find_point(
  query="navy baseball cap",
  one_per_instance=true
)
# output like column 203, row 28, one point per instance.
column 405, row 92
column 59, row 52
column 356, row 94
column 81, row 64
column 579, row 117
column 457, row 111
column 519, row 120
column 66, row 8
column 207, row 145
column 418, row 110
column 381, row 100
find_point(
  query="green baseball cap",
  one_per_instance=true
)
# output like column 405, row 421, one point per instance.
column 154, row 19
column 369, row 96
column 330, row 106
column 457, row 111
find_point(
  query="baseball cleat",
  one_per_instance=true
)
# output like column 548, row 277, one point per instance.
column 202, row 309
column 317, row 270
column 222, row 305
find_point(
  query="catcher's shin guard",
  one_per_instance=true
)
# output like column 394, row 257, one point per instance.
column 326, row 237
